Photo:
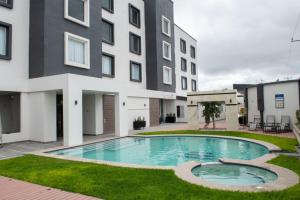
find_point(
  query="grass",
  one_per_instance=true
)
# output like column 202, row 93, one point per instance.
column 115, row 183
column 286, row 144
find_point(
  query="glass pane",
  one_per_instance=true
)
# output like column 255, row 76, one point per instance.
column 76, row 51
column 135, row 72
column 107, row 64
column 4, row 1
column 166, row 26
column 135, row 44
column 76, row 9
column 166, row 51
column 107, row 4
column 134, row 16
column 107, row 32
column 3, row 32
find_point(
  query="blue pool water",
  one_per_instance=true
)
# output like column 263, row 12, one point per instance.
column 230, row 174
column 166, row 151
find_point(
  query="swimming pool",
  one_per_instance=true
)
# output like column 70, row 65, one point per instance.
column 166, row 151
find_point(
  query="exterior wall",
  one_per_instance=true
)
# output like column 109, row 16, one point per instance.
column 291, row 100
column 138, row 107
column 180, row 34
column 154, row 10
column 47, row 29
column 184, row 104
column 252, row 104
column 92, row 112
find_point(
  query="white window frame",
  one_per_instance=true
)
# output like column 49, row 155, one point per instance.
column 86, row 51
column 86, row 21
column 165, row 68
column 165, row 19
column 170, row 50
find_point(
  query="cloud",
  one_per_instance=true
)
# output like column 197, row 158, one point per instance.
column 242, row 41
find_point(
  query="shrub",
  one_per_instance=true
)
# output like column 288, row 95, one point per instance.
column 298, row 115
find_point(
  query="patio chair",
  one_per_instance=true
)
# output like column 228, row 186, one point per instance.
column 285, row 124
column 257, row 121
column 270, row 124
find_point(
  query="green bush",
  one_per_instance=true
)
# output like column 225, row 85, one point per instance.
column 298, row 115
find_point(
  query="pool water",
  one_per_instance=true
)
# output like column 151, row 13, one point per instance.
column 166, row 151
column 231, row 174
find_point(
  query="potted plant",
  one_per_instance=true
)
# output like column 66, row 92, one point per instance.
column 171, row 118
column 139, row 123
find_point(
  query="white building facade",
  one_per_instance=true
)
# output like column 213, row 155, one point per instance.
column 72, row 67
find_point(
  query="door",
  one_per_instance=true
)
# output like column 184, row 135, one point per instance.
column 108, row 114
column 154, row 112
column 59, row 116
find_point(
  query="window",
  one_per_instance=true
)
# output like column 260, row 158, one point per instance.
column 167, row 73
column 108, row 65
column 166, row 50
column 183, row 83
column 108, row 5
column 180, row 111
column 108, row 32
column 166, row 26
column 193, row 69
column 182, row 46
column 194, row 85
column 134, row 16
column 193, row 52
column 6, row 3
column 135, row 72
column 77, row 51
column 5, row 41
column 135, row 43
column 78, row 11
column 279, row 101
column 183, row 65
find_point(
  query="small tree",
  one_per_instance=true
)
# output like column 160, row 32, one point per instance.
column 211, row 111
column 298, row 115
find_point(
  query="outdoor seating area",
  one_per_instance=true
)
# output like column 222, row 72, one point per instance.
column 270, row 125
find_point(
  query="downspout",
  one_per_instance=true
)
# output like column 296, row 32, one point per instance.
column 260, row 101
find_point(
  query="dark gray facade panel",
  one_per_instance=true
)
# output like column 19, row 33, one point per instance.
column 48, row 26
column 260, row 97
column 154, row 10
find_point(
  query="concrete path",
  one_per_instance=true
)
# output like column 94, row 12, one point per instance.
column 11, row 189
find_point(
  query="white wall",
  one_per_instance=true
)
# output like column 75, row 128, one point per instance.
column 291, row 100
column 252, row 104
column 138, row 107
column 180, row 34
column 184, row 104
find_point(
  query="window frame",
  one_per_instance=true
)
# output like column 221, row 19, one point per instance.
column 181, row 62
column 171, row 75
column 112, row 5
column 183, row 78
column 194, row 82
column 130, row 6
column 140, row 44
column 9, row 4
column 86, row 21
column 113, row 66
column 192, row 69
column 193, row 49
column 140, row 69
column 113, row 32
column 163, row 19
column 182, row 41
column 86, row 50
column 170, row 50
column 8, row 55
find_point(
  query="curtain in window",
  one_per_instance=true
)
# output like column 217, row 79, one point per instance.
column 106, row 65
column 135, row 72
column 76, row 51
column 167, row 75
column 3, row 32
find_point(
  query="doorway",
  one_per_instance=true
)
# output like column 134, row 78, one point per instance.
column 108, row 114
column 59, row 116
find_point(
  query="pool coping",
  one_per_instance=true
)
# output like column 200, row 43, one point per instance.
column 286, row 178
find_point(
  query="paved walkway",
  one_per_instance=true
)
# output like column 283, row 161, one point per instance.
column 11, row 189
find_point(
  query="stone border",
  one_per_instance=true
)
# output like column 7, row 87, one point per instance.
column 286, row 178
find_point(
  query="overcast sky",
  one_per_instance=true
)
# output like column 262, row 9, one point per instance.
column 242, row 41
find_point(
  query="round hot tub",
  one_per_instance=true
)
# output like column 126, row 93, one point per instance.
column 234, row 174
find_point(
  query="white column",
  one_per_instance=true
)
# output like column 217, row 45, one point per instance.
column 72, row 110
column 121, row 116
column 99, row 114
column 232, row 117
column 193, row 120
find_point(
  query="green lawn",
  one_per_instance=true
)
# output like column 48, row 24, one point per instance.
column 286, row 144
column 115, row 183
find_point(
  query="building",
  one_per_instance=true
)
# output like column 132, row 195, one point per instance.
column 281, row 98
column 73, row 67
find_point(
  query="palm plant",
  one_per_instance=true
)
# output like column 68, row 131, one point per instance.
column 211, row 111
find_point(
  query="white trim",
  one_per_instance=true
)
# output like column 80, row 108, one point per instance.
column 170, row 50
column 86, row 51
column 163, row 19
column 164, row 71
column 86, row 21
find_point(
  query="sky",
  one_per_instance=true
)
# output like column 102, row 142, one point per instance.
column 242, row 41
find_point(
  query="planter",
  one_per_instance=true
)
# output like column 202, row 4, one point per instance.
column 138, row 125
column 170, row 119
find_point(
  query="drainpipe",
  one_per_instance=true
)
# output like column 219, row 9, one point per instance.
column 260, row 101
